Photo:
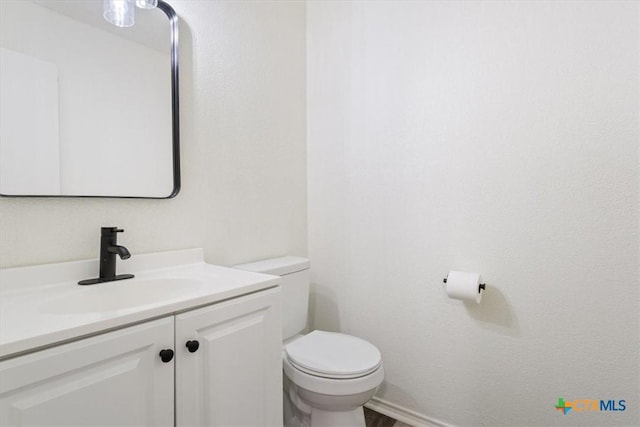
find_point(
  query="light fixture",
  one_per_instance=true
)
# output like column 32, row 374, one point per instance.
column 146, row 4
column 119, row 12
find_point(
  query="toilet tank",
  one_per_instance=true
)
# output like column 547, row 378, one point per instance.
column 295, row 278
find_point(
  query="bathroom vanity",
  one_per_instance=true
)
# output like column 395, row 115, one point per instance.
column 183, row 343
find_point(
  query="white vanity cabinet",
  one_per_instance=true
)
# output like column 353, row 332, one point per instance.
column 234, row 378
column 118, row 378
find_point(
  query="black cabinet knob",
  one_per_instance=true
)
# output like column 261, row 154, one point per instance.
column 193, row 346
column 166, row 355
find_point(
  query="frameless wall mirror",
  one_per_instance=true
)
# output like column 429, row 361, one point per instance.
column 88, row 108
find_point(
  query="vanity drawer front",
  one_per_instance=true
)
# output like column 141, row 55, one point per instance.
column 115, row 379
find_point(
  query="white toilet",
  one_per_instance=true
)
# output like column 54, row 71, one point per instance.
column 328, row 376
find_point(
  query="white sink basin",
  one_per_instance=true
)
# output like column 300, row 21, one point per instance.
column 122, row 295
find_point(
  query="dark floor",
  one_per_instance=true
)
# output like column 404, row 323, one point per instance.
column 374, row 419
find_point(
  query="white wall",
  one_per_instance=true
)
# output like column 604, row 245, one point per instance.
column 496, row 137
column 29, row 146
column 243, row 152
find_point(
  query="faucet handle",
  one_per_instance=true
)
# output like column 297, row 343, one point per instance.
column 106, row 231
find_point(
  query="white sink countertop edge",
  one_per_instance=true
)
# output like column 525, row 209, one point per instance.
column 28, row 294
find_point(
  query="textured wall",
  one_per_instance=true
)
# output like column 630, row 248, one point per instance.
column 243, row 152
column 497, row 137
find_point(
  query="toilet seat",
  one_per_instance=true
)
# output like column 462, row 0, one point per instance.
column 332, row 386
column 333, row 356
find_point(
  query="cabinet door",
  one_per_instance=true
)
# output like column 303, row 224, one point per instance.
column 235, row 376
column 113, row 379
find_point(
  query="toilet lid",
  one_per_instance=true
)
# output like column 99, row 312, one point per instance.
column 333, row 355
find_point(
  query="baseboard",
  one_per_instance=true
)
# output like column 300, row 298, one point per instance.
column 404, row 415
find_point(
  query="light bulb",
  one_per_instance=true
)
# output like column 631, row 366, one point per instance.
column 119, row 12
column 146, row 4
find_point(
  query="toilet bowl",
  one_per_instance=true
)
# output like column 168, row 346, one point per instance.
column 328, row 376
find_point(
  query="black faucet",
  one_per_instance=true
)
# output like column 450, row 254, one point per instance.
column 108, row 251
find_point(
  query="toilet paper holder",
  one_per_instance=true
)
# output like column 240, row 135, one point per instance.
column 481, row 286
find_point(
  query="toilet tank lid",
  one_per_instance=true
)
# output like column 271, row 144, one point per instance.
column 277, row 266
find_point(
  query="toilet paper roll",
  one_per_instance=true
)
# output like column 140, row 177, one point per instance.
column 464, row 286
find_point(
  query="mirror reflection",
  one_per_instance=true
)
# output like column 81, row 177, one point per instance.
column 86, row 106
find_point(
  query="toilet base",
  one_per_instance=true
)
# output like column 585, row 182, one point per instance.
column 327, row 411
column 352, row 418
column 320, row 418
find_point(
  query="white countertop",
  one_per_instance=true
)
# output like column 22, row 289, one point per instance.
column 43, row 305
